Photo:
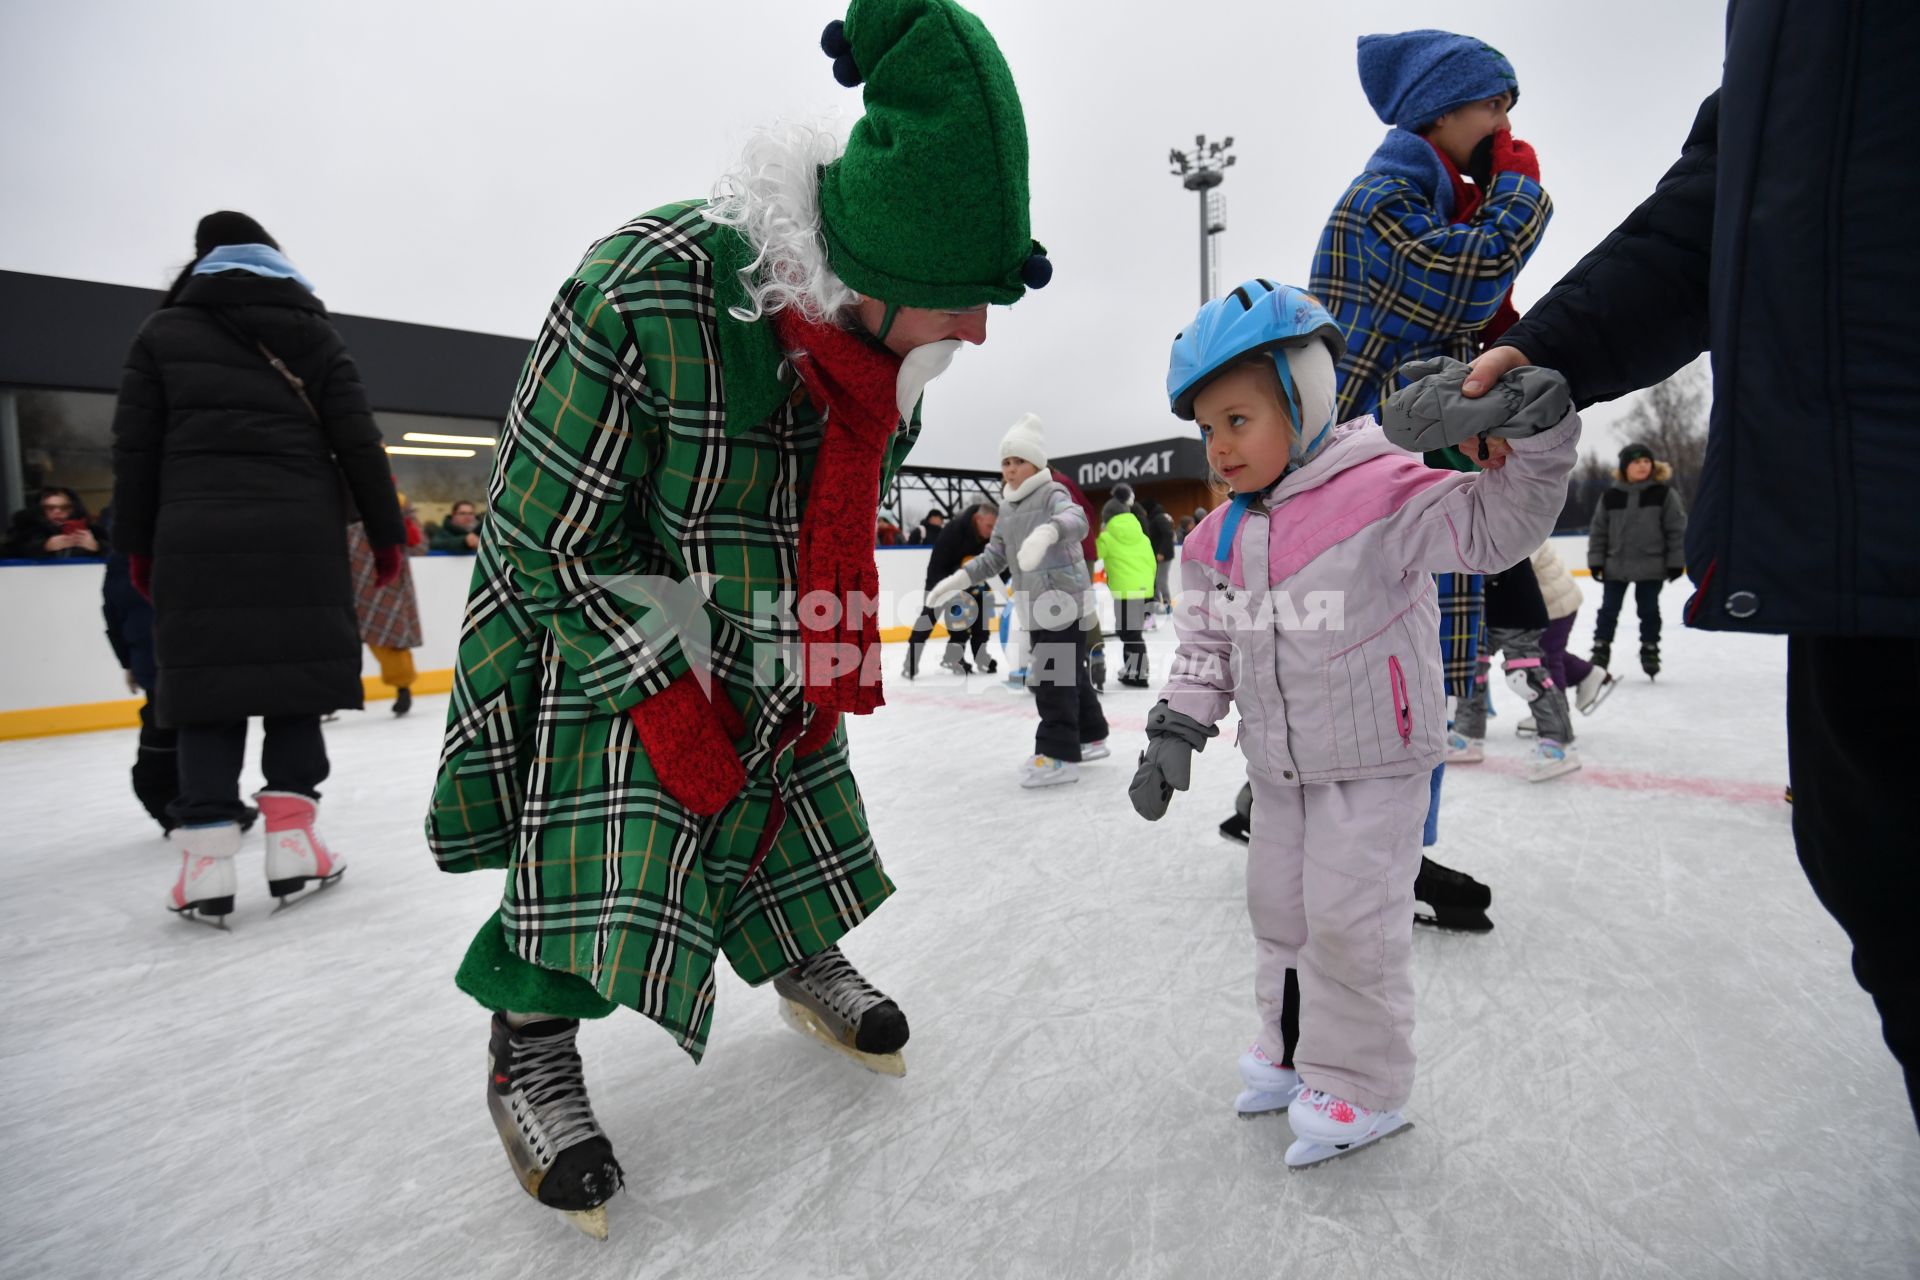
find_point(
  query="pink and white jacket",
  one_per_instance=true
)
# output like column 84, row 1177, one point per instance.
column 1320, row 622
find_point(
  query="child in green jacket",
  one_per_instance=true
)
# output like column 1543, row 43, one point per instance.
column 1127, row 553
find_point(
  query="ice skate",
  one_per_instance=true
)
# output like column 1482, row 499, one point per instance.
column 203, row 893
column 1602, row 655
column 1551, row 760
column 1091, row 751
column 1045, row 771
column 1464, row 750
column 1326, row 1128
column 1593, row 689
column 1527, row 728
column 296, row 855
column 1135, row 682
column 1650, row 660
column 911, row 667
column 987, row 663
column 1239, row 827
column 1270, row 1086
column 826, row 998
column 403, row 701
column 537, row 1095
column 1017, row 680
column 1455, row 900
column 955, row 660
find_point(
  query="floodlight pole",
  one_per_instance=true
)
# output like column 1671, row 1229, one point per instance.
column 1200, row 172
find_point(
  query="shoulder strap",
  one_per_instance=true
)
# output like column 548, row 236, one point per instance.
column 293, row 379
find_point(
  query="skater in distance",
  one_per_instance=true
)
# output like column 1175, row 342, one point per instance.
column 1340, row 733
column 240, row 434
column 719, row 396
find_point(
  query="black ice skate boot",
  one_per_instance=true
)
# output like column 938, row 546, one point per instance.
column 1602, row 655
column 1458, row 901
column 1650, row 660
column 537, row 1094
column 1239, row 827
column 826, row 998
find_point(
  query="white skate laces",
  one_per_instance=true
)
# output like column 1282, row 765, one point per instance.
column 550, row 1092
column 831, row 978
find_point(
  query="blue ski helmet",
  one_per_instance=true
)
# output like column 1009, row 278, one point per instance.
column 1256, row 316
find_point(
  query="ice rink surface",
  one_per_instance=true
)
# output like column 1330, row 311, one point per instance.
column 1657, row 1065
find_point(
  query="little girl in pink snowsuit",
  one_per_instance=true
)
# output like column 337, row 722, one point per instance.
column 1308, row 604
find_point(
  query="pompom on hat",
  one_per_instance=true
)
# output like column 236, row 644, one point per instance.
column 928, row 207
column 1412, row 78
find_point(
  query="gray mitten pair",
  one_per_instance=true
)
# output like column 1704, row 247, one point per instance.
column 1431, row 412
column 1166, row 766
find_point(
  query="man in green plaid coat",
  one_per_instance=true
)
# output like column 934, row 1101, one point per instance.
column 644, row 728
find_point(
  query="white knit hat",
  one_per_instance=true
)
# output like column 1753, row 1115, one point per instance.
column 1024, row 440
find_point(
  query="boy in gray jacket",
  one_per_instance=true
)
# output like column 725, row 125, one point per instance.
column 1638, row 536
column 1044, row 525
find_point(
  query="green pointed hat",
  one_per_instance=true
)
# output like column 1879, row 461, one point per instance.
column 928, row 206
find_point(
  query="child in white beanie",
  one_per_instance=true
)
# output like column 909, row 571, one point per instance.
column 1044, row 525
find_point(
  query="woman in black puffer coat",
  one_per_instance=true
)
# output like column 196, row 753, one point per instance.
column 231, row 500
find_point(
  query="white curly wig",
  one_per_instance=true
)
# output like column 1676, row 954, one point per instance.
column 772, row 197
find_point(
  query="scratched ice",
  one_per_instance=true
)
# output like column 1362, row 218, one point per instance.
column 1657, row 1065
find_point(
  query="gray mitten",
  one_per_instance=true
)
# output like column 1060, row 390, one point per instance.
column 1431, row 412
column 1166, row 766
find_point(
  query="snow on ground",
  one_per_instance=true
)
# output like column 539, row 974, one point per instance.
column 1657, row 1065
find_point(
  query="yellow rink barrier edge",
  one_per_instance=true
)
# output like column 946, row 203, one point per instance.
column 124, row 713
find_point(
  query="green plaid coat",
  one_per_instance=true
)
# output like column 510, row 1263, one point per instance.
column 651, row 433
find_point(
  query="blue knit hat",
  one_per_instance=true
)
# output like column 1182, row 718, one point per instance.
column 1413, row 78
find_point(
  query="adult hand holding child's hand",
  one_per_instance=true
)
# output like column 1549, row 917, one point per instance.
column 1433, row 411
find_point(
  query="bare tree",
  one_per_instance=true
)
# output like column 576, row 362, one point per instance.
column 1671, row 420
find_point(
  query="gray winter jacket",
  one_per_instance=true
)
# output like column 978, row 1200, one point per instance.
column 1060, row 585
column 1639, row 530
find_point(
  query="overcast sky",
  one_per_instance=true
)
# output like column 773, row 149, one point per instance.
column 448, row 163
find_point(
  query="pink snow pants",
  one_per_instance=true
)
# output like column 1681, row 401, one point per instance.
column 1330, row 872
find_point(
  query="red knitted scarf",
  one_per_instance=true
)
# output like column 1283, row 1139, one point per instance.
column 1466, row 202
column 851, row 379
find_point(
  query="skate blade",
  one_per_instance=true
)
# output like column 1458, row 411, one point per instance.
column 1472, row 924
column 1305, row 1154
column 189, row 914
column 1560, row 770
column 807, row 1022
column 591, row 1222
column 291, row 900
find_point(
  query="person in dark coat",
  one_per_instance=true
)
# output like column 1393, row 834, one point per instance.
column 129, row 619
column 55, row 527
column 1637, row 539
column 924, row 533
column 1779, row 241
column 1090, row 551
column 231, row 479
column 1159, row 526
column 460, row 535
column 959, row 541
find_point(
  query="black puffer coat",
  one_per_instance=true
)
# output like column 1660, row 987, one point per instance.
column 958, row 542
column 1782, row 239
column 227, row 482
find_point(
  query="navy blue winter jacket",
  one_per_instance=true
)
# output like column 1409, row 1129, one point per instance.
column 1781, row 240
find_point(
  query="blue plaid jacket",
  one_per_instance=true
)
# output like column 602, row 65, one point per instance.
column 1405, row 283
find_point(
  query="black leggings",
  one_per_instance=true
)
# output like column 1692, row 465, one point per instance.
column 293, row 757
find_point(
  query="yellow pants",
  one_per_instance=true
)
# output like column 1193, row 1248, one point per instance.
column 396, row 666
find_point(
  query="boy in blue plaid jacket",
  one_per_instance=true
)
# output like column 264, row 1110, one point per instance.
column 1417, row 261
